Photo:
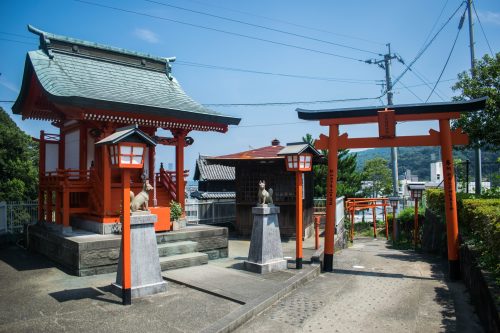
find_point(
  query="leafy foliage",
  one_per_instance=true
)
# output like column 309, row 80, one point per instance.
column 377, row 171
column 483, row 127
column 175, row 210
column 18, row 162
column 348, row 180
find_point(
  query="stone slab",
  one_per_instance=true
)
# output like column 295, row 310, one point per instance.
column 268, row 267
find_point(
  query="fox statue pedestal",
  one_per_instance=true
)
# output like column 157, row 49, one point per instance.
column 145, row 262
column 265, row 254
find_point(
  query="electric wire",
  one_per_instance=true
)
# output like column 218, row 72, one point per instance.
column 411, row 91
column 218, row 30
column 292, row 103
column 434, row 25
column 16, row 41
column 482, row 30
column 272, row 124
column 449, row 55
column 287, row 22
column 244, row 70
column 422, row 51
column 262, row 27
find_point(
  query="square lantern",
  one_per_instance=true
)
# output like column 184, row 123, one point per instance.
column 394, row 201
column 299, row 156
column 127, row 155
column 127, row 147
column 416, row 191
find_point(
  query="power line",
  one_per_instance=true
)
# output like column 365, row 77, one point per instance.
column 17, row 35
column 7, row 101
column 292, row 103
column 422, row 51
column 411, row 91
column 273, row 124
column 481, row 25
column 217, row 30
column 287, row 22
column 244, row 70
column 435, row 23
column 462, row 19
column 16, row 41
column 261, row 26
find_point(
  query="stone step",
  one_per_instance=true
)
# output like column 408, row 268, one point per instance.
column 170, row 249
column 183, row 260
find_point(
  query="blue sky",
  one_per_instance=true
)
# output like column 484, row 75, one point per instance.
column 363, row 25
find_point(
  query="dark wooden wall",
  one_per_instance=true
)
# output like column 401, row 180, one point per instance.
column 248, row 174
column 217, row 186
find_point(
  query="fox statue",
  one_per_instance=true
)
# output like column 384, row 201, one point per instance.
column 264, row 197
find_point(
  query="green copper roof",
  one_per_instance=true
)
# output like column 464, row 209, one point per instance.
column 94, row 76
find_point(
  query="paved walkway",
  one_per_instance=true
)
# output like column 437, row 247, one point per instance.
column 373, row 289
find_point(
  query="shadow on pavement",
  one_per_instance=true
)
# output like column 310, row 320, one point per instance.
column 379, row 274
column 22, row 260
column 82, row 293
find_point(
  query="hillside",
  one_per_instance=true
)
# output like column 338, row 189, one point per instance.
column 418, row 159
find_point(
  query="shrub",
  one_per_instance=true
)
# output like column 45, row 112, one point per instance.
column 175, row 210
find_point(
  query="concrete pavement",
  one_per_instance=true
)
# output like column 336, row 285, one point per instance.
column 374, row 289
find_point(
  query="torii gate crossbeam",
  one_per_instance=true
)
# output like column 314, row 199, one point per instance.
column 387, row 119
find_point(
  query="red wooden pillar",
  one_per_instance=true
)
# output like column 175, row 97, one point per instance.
column 58, row 207
column 331, row 197
column 298, row 220
column 317, row 221
column 180, row 136
column 374, row 216
column 65, row 208
column 83, row 147
column 450, row 199
column 415, row 225
column 48, row 205
column 106, row 181
column 385, row 220
column 151, row 157
column 126, row 255
column 353, row 212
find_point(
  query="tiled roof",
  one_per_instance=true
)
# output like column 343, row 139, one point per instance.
column 213, row 195
column 206, row 170
column 268, row 152
column 96, row 76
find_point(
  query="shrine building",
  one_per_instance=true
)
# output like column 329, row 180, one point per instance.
column 87, row 91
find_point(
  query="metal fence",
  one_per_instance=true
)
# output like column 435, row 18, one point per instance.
column 320, row 208
column 210, row 211
column 13, row 215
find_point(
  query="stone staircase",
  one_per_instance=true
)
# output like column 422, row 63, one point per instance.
column 180, row 254
column 192, row 246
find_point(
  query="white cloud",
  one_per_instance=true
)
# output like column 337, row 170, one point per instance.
column 489, row 17
column 147, row 35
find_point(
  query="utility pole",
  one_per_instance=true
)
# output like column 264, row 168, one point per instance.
column 477, row 151
column 385, row 64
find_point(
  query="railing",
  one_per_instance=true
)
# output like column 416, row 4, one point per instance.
column 66, row 176
column 97, row 196
column 210, row 212
column 168, row 180
column 320, row 208
column 13, row 215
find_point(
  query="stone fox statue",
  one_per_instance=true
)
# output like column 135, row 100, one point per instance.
column 140, row 201
column 265, row 197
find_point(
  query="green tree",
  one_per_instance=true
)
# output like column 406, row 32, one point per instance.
column 377, row 171
column 18, row 162
column 483, row 127
column 349, row 182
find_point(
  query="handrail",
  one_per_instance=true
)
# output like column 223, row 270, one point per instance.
column 165, row 179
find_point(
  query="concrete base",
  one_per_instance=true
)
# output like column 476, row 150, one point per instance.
column 96, row 227
column 268, row 267
column 85, row 253
column 179, row 224
column 265, row 254
column 145, row 261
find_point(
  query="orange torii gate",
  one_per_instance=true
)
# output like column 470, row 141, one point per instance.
column 354, row 204
column 387, row 118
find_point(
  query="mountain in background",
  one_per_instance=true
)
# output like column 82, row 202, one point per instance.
column 418, row 160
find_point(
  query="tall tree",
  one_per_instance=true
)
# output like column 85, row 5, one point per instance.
column 377, row 172
column 483, row 127
column 18, row 162
column 348, row 179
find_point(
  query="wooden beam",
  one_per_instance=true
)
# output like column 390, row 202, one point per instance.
column 402, row 117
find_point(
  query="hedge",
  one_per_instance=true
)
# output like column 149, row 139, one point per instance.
column 479, row 225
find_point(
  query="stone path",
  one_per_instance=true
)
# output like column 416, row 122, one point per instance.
column 373, row 289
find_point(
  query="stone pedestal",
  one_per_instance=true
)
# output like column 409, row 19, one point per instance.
column 265, row 254
column 145, row 262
